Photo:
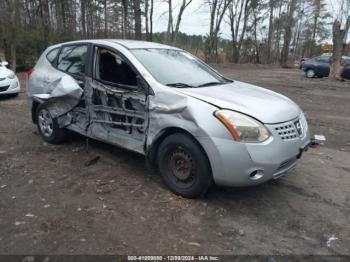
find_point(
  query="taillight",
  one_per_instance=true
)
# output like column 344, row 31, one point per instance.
column 29, row 73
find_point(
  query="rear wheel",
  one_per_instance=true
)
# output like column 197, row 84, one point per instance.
column 184, row 166
column 310, row 73
column 48, row 126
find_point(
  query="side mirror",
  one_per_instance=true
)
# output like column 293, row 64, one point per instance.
column 4, row 63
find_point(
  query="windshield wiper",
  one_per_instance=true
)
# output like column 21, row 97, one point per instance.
column 179, row 85
column 211, row 84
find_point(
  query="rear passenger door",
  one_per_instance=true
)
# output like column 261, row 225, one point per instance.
column 117, row 100
column 323, row 65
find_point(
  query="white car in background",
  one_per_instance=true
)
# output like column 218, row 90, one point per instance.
column 9, row 84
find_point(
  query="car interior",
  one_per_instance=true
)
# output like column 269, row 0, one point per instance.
column 116, row 106
column 113, row 69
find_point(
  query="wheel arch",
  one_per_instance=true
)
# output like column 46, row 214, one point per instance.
column 35, row 105
column 151, row 153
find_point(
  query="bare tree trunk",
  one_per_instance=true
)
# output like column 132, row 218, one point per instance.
column 235, row 20
column 125, row 18
column 169, row 33
column 105, row 19
column 146, row 19
column 151, row 21
column 217, row 11
column 270, row 34
column 339, row 39
column 257, row 51
column 178, row 21
column 83, row 17
column 317, row 11
column 279, row 33
column 288, row 33
column 245, row 21
column 137, row 13
column 14, row 32
column 63, row 16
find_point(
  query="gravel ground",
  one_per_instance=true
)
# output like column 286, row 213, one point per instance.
column 50, row 203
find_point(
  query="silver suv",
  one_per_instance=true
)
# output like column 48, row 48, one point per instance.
column 195, row 125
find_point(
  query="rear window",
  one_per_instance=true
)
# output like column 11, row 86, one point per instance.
column 51, row 56
column 72, row 59
column 323, row 59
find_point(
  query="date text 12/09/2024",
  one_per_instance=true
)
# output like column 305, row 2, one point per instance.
column 173, row 258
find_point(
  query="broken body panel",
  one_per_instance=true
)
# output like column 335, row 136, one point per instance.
column 135, row 118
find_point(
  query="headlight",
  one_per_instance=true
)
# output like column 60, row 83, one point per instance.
column 11, row 76
column 243, row 128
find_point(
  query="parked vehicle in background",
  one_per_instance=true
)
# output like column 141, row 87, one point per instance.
column 320, row 66
column 195, row 125
column 302, row 62
column 9, row 84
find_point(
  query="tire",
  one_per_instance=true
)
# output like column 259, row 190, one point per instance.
column 310, row 73
column 184, row 166
column 48, row 126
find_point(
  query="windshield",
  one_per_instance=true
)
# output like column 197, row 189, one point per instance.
column 177, row 68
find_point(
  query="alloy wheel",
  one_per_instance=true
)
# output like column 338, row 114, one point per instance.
column 45, row 122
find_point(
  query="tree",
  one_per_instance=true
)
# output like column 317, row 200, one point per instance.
column 271, row 29
column 256, row 6
column 184, row 5
column 137, row 14
column 147, row 18
column 170, row 29
column 288, row 32
column 339, row 44
column 83, row 18
column 261, row 30
column 217, row 9
column 125, row 4
column 239, row 11
column 318, row 27
column 173, row 31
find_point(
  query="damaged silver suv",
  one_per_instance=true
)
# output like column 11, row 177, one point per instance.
column 195, row 125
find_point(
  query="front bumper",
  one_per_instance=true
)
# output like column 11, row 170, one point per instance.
column 10, row 86
column 234, row 163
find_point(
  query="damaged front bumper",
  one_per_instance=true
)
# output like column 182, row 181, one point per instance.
column 246, row 164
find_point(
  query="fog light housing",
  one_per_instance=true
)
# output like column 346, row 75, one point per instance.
column 15, row 85
column 256, row 175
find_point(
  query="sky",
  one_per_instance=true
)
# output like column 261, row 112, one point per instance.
column 196, row 18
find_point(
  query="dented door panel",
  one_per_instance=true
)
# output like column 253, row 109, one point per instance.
column 116, row 115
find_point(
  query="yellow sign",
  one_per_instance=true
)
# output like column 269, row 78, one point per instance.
column 328, row 48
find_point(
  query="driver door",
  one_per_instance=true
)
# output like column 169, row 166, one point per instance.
column 118, row 102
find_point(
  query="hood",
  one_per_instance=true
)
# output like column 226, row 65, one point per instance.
column 265, row 105
column 4, row 71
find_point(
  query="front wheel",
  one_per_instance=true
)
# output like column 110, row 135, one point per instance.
column 48, row 126
column 310, row 73
column 184, row 166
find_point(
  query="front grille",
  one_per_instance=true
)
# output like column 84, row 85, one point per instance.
column 303, row 123
column 287, row 131
column 3, row 88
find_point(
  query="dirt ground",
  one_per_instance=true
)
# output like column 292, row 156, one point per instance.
column 50, row 203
